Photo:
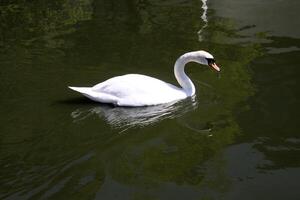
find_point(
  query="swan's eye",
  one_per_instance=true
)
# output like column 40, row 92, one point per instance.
column 210, row 60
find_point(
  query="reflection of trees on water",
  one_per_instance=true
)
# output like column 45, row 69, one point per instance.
column 274, row 121
column 23, row 21
column 32, row 31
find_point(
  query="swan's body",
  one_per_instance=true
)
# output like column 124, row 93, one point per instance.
column 141, row 90
column 133, row 90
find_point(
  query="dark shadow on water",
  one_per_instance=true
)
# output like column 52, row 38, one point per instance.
column 80, row 101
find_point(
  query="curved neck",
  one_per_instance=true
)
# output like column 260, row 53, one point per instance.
column 183, row 80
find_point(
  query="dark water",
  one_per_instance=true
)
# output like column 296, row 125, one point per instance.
column 239, row 139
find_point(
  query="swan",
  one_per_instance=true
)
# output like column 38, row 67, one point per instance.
column 139, row 90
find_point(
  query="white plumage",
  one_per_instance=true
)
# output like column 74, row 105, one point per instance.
column 141, row 90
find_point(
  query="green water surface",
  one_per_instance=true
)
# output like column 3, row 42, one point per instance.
column 237, row 139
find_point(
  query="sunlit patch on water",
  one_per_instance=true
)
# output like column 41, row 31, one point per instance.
column 204, row 19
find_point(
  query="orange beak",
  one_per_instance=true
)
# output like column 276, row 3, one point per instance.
column 215, row 66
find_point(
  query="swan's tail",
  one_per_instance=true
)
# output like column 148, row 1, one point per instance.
column 82, row 90
column 95, row 96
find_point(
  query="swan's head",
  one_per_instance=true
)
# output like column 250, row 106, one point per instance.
column 205, row 58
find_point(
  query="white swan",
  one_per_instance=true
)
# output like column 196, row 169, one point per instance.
column 140, row 90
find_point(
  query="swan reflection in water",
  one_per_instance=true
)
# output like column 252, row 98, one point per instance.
column 130, row 117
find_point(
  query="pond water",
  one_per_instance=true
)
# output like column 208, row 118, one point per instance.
column 237, row 139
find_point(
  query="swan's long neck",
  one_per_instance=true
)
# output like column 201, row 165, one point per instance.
column 183, row 80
